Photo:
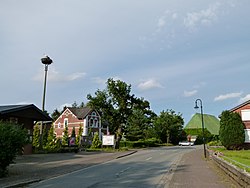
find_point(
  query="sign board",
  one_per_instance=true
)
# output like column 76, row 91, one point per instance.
column 108, row 140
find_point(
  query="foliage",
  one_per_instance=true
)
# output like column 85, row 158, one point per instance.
column 96, row 143
column 168, row 126
column 153, row 142
column 12, row 138
column 45, row 136
column 52, row 143
column 56, row 114
column 36, row 137
column 79, row 136
column 65, row 138
column 138, row 126
column 73, row 133
column 214, row 143
column 116, row 104
column 231, row 133
column 199, row 133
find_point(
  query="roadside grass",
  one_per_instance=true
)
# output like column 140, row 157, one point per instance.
column 239, row 158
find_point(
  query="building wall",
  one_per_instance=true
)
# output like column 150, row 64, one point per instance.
column 244, row 112
column 72, row 120
column 92, row 121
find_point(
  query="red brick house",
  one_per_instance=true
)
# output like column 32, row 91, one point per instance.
column 71, row 117
column 244, row 111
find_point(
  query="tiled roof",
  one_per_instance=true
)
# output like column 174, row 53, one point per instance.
column 27, row 111
column 80, row 113
column 240, row 105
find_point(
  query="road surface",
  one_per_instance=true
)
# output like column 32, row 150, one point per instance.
column 146, row 168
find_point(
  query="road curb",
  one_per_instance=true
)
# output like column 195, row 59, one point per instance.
column 126, row 154
column 22, row 184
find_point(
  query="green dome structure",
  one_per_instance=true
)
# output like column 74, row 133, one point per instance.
column 211, row 123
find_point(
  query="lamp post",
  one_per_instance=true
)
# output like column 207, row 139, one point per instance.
column 46, row 61
column 202, row 122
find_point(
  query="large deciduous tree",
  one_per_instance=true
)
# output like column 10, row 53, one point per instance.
column 168, row 126
column 116, row 104
column 231, row 133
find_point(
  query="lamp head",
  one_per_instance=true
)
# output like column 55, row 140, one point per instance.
column 196, row 106
column 46, row 60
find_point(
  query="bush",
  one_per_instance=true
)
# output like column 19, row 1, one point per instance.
column 152, row 142
column 12, row 139
column 231, row 133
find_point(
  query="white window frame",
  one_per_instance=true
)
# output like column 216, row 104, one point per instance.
column 64, row 122
column 247, row 135
column 245, row 115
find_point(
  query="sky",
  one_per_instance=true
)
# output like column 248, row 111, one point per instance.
column 171, row 52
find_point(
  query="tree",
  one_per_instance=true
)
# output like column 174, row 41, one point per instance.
column 138, row 125
column 115, row 105
column 55, row 115
column 65, row 138
column 96, row 143
column 168, row 126
column 36, row 137
column 51, row 140
column 73, row 133
column 12, row 138
column 231, row 133
column 45, row 136
column 79, row 136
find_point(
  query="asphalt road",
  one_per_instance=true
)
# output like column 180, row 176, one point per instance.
column 146, row 168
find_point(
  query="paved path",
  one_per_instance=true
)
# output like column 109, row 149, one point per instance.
column 195, row 171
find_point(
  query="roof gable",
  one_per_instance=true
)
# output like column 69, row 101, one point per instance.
column 80, row 113
column 240, row 105
column 211, row 123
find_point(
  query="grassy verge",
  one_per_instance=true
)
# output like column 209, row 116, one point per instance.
column 239, row 158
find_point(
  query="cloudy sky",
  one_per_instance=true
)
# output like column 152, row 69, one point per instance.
column 170, row 51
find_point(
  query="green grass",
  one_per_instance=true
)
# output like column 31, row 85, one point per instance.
column 239, row 158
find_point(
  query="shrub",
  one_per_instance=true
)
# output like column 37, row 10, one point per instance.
column 231, row 133
column 12, row 139
column 96, row 143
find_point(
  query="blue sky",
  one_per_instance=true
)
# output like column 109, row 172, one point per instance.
column 171, row 52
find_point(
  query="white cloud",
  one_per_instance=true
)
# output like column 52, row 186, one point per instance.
column 149, row 84
column 55, row 76
column 190, row 93
column 203, row 17
column 244, row 99
column 227, row 96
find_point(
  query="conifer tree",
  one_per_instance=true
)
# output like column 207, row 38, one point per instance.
column 96, row 143
column 51, row 140
column 65, row 138
column 231, row 132
column 78, row 138
column 36, row 137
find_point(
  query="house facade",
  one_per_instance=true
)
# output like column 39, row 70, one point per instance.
column 85, row 117
column 244, row 111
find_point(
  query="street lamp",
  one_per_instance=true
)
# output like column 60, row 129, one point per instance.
column 46, row 61
column 202, row 122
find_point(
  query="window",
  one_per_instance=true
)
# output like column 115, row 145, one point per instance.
column 59, row 125
column 93, row 114
column 245, row 115
column 247, row 135
column 66, row 122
